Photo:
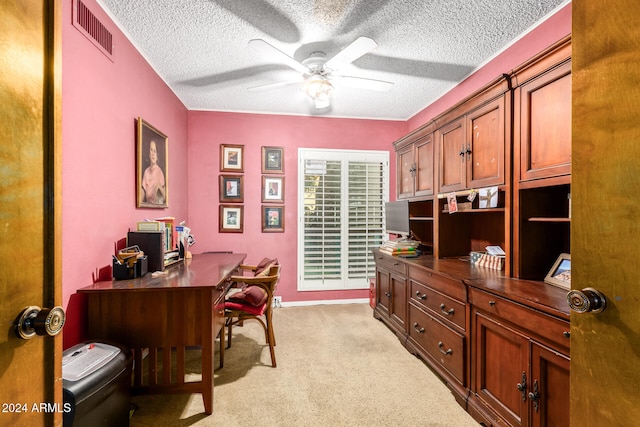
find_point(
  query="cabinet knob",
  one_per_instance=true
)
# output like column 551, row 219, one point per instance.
column 586, row 300
column 492, row 303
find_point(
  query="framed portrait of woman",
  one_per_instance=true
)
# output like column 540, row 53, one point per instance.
column 152, row 164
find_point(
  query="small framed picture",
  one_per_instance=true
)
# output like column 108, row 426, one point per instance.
column 272, row 160
column 231, row 188
column 231, row 158
column 273, row 219
column 560, row 273
column 231, row 219
column 272, row 189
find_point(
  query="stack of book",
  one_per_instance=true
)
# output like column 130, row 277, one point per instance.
column 403, row 248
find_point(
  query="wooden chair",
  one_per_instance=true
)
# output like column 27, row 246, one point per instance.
column 251, row 298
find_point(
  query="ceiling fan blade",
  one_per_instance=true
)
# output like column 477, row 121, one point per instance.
column 359, row 47
column 280, row 55
column 270, row 86
column 364, row 83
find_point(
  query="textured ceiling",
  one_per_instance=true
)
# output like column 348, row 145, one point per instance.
column 201, row 48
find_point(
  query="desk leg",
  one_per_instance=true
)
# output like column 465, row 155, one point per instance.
column 207, row 356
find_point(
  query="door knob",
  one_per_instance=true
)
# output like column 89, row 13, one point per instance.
column 586, row 300
column 36, row 321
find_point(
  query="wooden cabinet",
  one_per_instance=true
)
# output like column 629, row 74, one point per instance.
column 542, row 167
column 391, row 293
column 542, row 114
column 520, row 363
column 473, row 141
column 414, row 163
column 437, row 326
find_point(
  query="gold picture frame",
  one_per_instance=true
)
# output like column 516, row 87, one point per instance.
column 152, row 166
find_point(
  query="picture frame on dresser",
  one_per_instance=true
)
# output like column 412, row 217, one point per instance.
column 560, row 273
column 152, row 164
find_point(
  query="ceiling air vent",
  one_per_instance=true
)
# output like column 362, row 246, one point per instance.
column 87, row 23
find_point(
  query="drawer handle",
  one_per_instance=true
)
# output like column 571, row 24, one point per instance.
column 422, row 297
column 395, row 264
column 441, row 348
column 492, row 303
column 418, row 328
column 567, row 334
column 446, row 313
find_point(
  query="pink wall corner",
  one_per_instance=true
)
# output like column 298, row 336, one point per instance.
column 538, row 39
column 207, row 130
column 101, row 100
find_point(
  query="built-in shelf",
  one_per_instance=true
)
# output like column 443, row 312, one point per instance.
column 421, row 218
column 484, row 210
column 542, row 219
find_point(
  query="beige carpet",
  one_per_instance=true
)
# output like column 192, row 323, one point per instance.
column 337, row 366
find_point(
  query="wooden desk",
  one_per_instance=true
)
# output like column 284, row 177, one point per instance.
column 165, row 315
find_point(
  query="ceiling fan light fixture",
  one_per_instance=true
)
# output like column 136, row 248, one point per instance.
column 318, row 88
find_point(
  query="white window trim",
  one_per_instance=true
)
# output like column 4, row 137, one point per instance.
column 344, row 155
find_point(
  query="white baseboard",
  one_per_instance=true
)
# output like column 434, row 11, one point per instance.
column 325, row 302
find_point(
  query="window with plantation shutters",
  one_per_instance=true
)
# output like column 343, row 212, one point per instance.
column 341, row 207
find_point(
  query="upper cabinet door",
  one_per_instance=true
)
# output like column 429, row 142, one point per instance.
column 452, row 145
column 423, row 153
column 405, row 174
column 485, row 145
column 543, row 110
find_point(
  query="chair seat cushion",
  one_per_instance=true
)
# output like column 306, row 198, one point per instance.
column 250, row 295
column 248, row 308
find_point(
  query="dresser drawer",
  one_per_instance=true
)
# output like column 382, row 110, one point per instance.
column 453, row 288
column 537, row 324
column 445, row 346
column 442, row 306
column 391, row 264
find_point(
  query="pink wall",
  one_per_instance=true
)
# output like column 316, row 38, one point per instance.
column 101, row 100
column 540, row 38
column 207, row 130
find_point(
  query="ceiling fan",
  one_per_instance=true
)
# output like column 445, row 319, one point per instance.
column 318, row 73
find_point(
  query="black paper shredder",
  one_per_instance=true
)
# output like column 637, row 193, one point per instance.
column 96, row 385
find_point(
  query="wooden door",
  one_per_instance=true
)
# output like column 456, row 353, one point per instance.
column 405, row 165
column 452, row 148
column 383, row 290
column 605, row 347
column 550, row 387
column 424, row 166
column 485, row 145
column 501, row 363
column 398, row 308
column 30, row 267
